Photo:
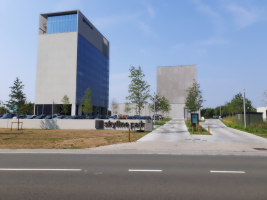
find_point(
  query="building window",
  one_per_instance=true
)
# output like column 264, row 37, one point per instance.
column 62, row 23
column 93, row 72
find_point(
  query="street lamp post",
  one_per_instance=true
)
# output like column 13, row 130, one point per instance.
column 244, row 110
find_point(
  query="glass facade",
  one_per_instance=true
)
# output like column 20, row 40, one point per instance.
column 93, row 72
column 62, row 23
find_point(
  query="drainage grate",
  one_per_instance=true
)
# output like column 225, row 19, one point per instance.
column 187, row 139
column 262, row 149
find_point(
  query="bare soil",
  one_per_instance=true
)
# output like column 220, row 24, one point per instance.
column 63, row 139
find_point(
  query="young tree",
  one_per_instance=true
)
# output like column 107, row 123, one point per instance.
column 138, row 89
column 29, row 108
column 87, row 106
column 165, row 105
column 17, row 97
column 194, row 99
column 114, row 105
column 157, row 105
column 65, row 106
column 127, row 107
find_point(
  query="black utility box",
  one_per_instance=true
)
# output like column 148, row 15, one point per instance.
column 99, row 124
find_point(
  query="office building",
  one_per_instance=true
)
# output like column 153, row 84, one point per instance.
column 172, row 83
column 72, row 56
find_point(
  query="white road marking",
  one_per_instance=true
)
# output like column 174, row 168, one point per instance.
column 14, row 169
column 144, row 170
column 237, row 172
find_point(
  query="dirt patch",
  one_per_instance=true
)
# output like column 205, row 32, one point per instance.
column 63, row 139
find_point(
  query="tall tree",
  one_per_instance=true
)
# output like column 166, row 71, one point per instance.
column 194, row 99
column 114, row 106
column 127, row 107
column 87, row 106
column 17, row 97
column 138, row 89
column 66, row 104
column 237, row 104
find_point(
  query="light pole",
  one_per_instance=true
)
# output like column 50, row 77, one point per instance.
column 244, row 110
column 154, row 101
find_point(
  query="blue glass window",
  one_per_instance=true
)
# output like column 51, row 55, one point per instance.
column 62, row 23
column 92, row 72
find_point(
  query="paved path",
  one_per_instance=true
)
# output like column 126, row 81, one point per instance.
column 223, row 134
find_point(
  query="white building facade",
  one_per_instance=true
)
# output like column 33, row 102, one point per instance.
column 264, row 111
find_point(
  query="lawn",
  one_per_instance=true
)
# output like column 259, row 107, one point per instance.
column 63, row 139
column 256, row 129
column 196, row 131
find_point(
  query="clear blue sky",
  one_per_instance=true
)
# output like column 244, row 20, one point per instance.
column 226, row 39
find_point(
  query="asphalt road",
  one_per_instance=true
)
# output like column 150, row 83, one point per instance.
column 44, row 176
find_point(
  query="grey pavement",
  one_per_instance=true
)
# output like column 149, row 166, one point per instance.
column 111, row 177
column 173, row 138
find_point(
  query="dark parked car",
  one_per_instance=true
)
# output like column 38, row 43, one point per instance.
column 8, row 116
column 68, row 117
column 136, row 117
column 60, row 117
column 30, row 116
column 89, row 117
column 147, row 117
column 99, row 117
column 113, row 117
column 48, row 117
column 40, row 117
column 157, row 117
column 129, row 117
column 20, row 117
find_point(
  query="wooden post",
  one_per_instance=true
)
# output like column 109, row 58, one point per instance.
column 193, row 129
column 208, row 129
column 200, row 127
column 129, row 136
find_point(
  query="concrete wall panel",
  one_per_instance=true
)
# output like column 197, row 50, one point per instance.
column 56, row 68
column 65, row 124
column 173, row 81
